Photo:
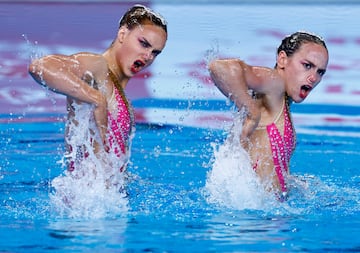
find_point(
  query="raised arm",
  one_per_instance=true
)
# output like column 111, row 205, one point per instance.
column 230, row 78
column 63, row 74
column 234, row 78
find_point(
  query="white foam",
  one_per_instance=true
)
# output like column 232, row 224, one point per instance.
column 232, row 181
column 96, row 187
column 88, row 196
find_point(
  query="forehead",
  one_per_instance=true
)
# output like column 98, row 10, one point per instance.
column 154, row 34
column 315, row 53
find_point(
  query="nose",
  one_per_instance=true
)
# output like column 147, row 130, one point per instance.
column 148, row 56
column 313, row 78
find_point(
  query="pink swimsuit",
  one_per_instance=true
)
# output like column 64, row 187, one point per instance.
column 282, row 147
column 120, row 125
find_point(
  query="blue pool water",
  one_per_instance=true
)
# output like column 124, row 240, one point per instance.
column 181, row 119
column 168, row 210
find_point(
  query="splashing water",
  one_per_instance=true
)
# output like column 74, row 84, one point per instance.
column 95, row 188
column 32, row 48
column 88, row 196
column 232, row 182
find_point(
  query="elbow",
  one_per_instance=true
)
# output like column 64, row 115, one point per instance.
column 31, row 68
column 34, row 69
column 37, row 71
column 213, row 66
column 216, row 70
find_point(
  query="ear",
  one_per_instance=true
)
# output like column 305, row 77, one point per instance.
column 281, row 59
column 121, row 34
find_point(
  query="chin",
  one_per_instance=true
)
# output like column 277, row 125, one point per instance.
column 296, row 100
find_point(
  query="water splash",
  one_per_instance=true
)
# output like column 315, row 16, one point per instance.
column 213, row 52
column 88, row 196
column 32, row 48
column 232, row 181
column 95, row 188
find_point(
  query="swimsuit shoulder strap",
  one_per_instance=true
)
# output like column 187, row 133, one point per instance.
column 121, row 92
column 276, row 118
column 115, row 80
column 280, row 145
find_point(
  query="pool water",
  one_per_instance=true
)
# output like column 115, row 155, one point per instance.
column 168, row 210
column 181, row 121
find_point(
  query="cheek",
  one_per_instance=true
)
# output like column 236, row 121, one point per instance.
column 130, row 44
column 295, row 76
column 122, row 57
column 292, row 84
column 292, row 71
column 128, row 52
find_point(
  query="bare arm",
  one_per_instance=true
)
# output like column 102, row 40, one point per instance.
column 230, row 78
column 234, row 78
column 63, row 74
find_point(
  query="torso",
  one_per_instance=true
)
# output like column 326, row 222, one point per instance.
column 120, row 114
column 271, row 149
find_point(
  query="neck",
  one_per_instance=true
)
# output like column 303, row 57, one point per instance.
column 114, row 68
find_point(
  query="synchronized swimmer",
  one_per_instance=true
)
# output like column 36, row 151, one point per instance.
column 266, row 94
column 100, row 119
column 94, row 86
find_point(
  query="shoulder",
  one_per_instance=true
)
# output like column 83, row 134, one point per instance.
column 90, row 62
column 265, row 80
column 225, row 65
column 75, row 61
column 84, row 56
column 238, row 67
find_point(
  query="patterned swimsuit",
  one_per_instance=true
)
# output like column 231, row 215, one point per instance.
column 281, row 146
column 120, row 127
column 122, row 123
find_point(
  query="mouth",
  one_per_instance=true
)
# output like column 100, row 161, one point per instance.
column 137, row 66
column 305, row 90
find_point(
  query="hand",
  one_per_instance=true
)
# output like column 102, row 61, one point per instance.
column 101, row 120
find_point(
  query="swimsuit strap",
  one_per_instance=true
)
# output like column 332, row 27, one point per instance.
column 275, row 120
column 282, row 146
column 119, row 88
column 122, row 124
column 289, row 130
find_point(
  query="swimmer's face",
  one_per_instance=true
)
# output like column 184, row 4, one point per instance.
column 139, row 47
column 304, row 70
